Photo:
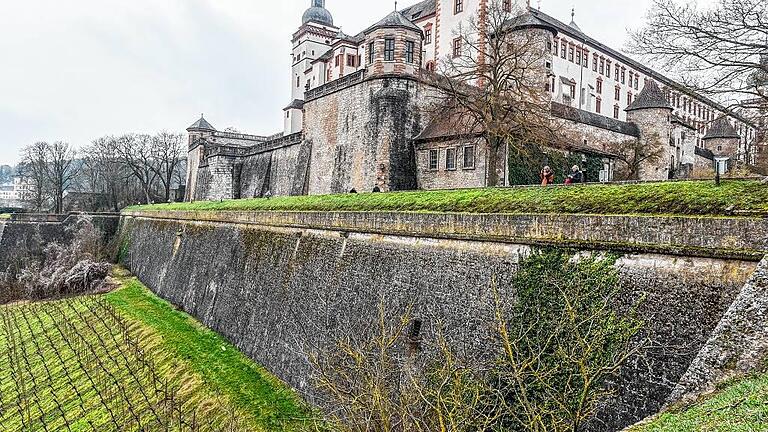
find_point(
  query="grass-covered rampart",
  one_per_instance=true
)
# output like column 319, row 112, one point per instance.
column 732, row 197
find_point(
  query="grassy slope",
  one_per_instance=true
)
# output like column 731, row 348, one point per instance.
column 738, row 406
column 684, row 198
column 213, row 379
column 220, row 365
column 4, row 216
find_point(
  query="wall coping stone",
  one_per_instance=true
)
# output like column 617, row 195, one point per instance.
column 713, row 237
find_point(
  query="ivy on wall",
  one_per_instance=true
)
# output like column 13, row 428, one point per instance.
column 526, row 162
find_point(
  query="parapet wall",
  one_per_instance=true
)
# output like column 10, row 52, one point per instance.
column 281, row 285
column 743, row 238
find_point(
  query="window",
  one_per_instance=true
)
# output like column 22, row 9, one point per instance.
column 637, row 87
column 594, row 62
column 337, row 59
column 351, row 60
column 598, row 105
column 298, row 82
column 389, row 49
column 434, row 160
column 427, row 36
column 458, row 6
column 570, row 53
column 629, row 99
column 409, row 46
column 573, row 91
column 618, row 93
column 563, row 47
column 469, row 157
column 549, row 45
column 599, row 86
column 431, row 66
column 608, row 69
column 507, row 5
column 556, row 47
column 623, row 75
column 616, row 75
column 585, row 59
column 457, row 47
column 450, row 159
column 371, row 52
column 631, row 77
column 578, row 56
column 602, row 66
column 616, row 111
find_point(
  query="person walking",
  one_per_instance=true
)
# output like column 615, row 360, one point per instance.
column 547, row 176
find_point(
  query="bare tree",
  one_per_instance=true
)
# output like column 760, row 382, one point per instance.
column 61, row 172
column 720, row 51
column 495, row 82
column 167, row 156
column 552, row 350
column 136, row 152
column 633, row 155
column 32, row 166
column 106, row 173
column 52, row 169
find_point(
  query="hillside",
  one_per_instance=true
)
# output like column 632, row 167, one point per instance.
column 129, row 361
column 737, row 406
column 733, row 197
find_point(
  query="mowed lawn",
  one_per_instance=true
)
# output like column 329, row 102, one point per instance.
column 129, row 361
column 732, row 197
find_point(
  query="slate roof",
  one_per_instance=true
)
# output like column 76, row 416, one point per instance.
column 394, row 19
column 201, row 124
column 721, row 128
column 650, row 97
column 295, row 104
column 680, row 121
column 585, row 117
column 420, row 10
column 701, row 151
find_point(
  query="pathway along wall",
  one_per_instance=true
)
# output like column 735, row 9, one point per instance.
column 279, row 292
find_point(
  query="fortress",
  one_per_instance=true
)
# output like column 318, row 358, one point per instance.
column 358, row 117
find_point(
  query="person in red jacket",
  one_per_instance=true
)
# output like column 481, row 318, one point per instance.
column 547, row 176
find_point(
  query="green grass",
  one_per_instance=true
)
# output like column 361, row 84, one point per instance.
column 4, row 216
column 72, row 363
column 738, row 406
column 678, row 198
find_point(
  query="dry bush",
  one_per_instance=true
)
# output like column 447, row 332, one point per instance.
column 64, row 269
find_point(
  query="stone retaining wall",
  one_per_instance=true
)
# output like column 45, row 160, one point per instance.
column 283, row 285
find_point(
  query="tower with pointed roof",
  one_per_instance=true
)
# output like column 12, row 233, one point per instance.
column 722, row 139
column 199, row 132
column 652, row 114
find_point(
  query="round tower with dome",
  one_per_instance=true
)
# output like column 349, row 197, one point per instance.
column 312, row 40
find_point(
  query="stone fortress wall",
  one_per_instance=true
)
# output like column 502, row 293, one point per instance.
column 282, row 284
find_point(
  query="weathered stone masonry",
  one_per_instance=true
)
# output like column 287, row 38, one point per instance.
column 280, row 284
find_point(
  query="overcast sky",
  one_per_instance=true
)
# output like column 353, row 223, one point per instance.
column 74, row 70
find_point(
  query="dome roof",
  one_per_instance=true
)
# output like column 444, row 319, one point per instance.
column 317, row 14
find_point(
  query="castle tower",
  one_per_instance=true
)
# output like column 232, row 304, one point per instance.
column 653, row 117
column 393, row 46
column 198, row 132
column 723, row 141
column 312, row 40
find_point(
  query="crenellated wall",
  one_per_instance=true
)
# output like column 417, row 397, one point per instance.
column 280, row 285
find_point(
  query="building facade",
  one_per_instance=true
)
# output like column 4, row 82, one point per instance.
column 358, row 117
